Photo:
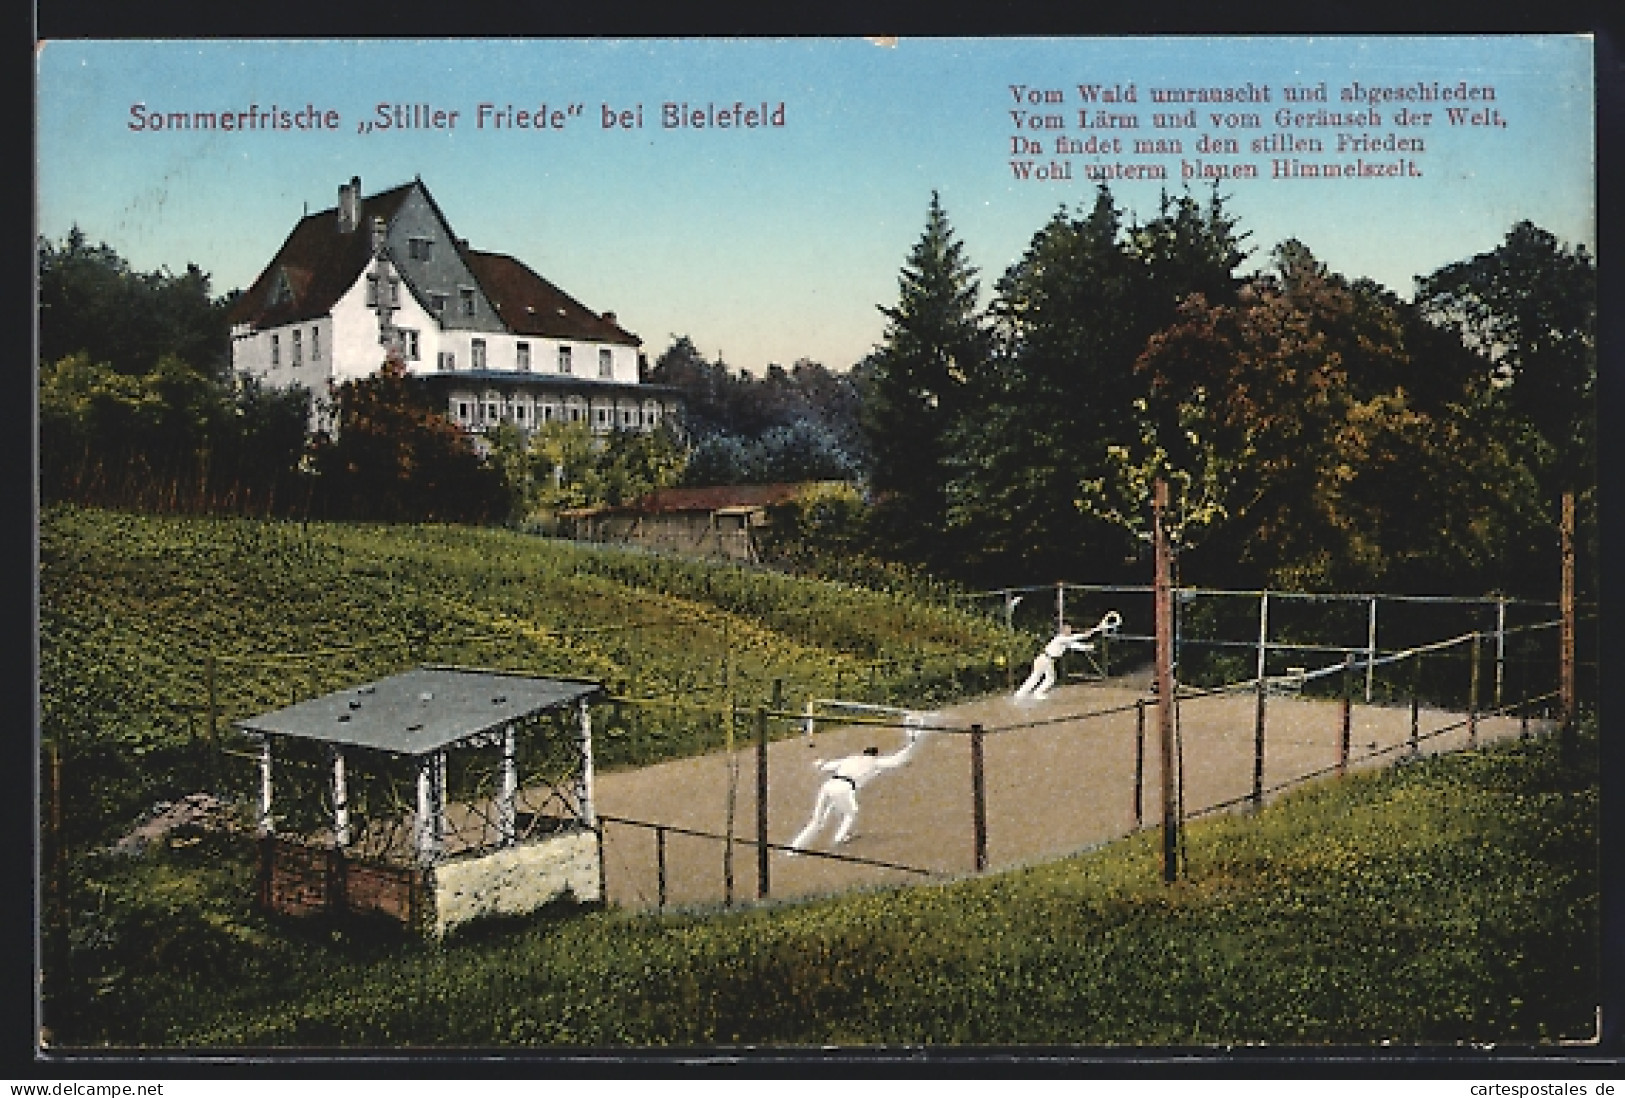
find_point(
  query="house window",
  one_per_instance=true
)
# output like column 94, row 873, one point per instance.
column 466, row 296
column 491, row 413
column 447, row 360
column 564, row 360
column 462, row 410
column 315, row 344
column 372, row 289
column 519, row 413
column 524, row 356
column 408, row 343
column 438, row 303
column 478, row 354
column 394, row 291
column 298, row 357
column 606, row 363
column 419, row 247
column 276, row 349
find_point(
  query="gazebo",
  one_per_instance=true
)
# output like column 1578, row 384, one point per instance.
column 435, row 796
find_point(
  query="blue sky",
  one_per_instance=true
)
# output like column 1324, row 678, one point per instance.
column 772, row 244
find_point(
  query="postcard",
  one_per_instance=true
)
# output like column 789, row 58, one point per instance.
column 506, row 504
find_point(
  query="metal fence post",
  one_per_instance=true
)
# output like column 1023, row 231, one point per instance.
column 761, row 804
column 978, row 789
column 1416, row 703
column 1472, row 692
column 660, row 868
column 603, row 873
column 1347, row 716
column 1139, row 763
column 1500, row 647
column 1371, row 649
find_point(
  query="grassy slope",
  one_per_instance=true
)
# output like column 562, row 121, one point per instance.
column 1451, row 900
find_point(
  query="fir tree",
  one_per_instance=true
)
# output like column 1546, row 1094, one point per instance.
column 935, row 344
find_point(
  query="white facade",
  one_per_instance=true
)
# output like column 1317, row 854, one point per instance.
column 385, row 273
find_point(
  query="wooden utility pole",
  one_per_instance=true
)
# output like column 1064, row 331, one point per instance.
column 1262, row 691
column 1566, row 636
column 1165, row 678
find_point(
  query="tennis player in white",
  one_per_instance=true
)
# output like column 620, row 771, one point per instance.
column 838, row 796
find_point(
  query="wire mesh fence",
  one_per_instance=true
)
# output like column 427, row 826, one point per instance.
column 1237, row 744
column 1265, row 679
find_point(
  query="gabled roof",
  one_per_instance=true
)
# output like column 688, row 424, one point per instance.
column 422, row 710
column 322, row 264
column 531, row 305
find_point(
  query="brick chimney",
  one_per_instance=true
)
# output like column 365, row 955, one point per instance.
column 349, row 210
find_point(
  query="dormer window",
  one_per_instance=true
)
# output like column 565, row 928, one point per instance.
column 438, row 303
column 420, row 248
column 564, row 360
column 466, row 297
column 281, row 288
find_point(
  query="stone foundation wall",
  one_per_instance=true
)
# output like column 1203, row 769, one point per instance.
column 516, row 880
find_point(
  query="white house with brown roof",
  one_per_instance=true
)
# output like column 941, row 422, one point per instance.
column 495, row 341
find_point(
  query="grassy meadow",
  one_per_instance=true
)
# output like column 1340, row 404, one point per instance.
column 1450, row 900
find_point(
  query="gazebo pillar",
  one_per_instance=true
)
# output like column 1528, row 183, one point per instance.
column 265, row 824
column 341, row 802
column 431, row 807
column 584, row 791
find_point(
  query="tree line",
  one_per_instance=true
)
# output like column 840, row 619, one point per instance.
column 1318, row 431
column 139, row 408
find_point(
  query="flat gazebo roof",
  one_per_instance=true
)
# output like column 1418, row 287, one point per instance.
column 421, row 710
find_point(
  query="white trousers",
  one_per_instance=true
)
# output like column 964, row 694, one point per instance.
column 838, row 797
column 1038, row 683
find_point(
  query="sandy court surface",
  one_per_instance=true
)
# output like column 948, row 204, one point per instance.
column 1060, row 776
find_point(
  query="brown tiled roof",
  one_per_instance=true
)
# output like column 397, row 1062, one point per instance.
column 670, row 500
column 531, row 305
column 322, row 264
